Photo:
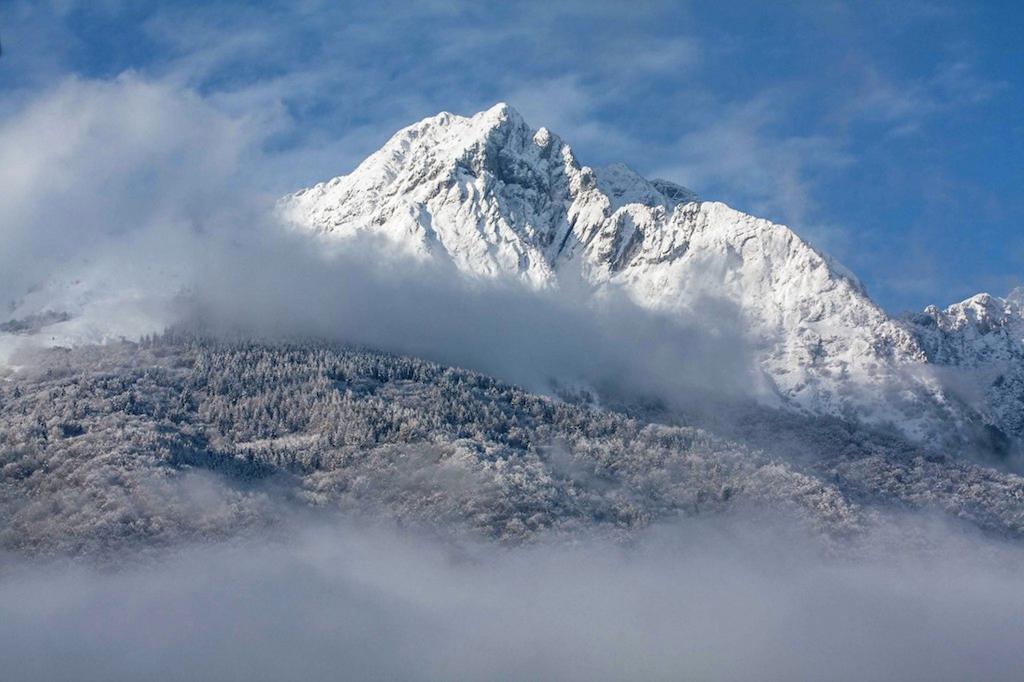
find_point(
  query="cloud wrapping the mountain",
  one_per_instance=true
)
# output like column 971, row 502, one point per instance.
column 88, row 166
column 369, row 296
column 144, row 212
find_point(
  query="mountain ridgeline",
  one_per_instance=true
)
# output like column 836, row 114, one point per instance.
column 499, row 199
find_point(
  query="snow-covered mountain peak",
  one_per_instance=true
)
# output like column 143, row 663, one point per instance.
column 981, row 314
column 980, row 340
column 979, row 330
column 542, row 138
column 500, row 199
column 501, row 116
column 486, row 191
column 433, row 144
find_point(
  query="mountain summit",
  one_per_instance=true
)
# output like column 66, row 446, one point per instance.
column 489, row 192
column 498, row 198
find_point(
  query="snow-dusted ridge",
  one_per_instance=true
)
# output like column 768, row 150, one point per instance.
column 500, row 199
column 979, row 343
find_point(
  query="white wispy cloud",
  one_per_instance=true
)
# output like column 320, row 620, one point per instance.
column 904, row 106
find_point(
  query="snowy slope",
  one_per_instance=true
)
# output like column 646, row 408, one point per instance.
column 980, row 344
column 498, row 199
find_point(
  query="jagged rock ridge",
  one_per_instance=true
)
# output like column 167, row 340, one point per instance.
column 978, row 344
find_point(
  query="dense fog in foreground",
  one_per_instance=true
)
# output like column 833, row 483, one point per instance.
column 707, row 600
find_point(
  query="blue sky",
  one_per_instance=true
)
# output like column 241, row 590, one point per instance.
column 889, row 134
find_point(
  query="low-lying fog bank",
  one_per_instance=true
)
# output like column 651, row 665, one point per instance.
column 707, row 600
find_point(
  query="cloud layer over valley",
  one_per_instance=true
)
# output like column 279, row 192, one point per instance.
column 703, row 600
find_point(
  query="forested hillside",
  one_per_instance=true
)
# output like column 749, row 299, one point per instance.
column 182, row 437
